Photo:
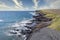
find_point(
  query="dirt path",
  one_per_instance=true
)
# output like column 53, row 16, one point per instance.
column 46, row 34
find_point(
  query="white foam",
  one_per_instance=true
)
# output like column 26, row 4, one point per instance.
column 33, row 13
column 8, row 34
column 1, row 20
column 19, row 25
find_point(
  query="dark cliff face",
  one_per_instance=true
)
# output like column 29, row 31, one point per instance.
column 41, row 21
column 42, row 32
column 41, row 17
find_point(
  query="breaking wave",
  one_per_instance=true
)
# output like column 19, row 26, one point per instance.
column 15, row 29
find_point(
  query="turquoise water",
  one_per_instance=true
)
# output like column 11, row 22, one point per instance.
column 7, row 18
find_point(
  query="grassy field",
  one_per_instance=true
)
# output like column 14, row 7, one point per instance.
column 55, row 16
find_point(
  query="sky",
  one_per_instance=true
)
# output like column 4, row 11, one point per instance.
column 29, row 4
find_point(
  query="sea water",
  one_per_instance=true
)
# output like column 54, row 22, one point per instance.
column 12, row 19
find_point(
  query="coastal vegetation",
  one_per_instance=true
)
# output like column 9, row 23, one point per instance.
column 56, row 19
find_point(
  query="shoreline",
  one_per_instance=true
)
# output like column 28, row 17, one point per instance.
column 42, row 23
column 25, row 30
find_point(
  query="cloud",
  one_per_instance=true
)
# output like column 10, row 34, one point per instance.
column 35, row 4
column 51, row 4
column 55, row 5
column 20, row 5
column 3, row 6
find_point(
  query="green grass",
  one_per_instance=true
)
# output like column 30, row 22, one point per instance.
column 56, row 20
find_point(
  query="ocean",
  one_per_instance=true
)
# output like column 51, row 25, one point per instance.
column 10, row 19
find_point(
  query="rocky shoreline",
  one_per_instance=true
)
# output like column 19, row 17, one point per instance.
column 43, row 32
column 41, row 21
column 38, row 22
